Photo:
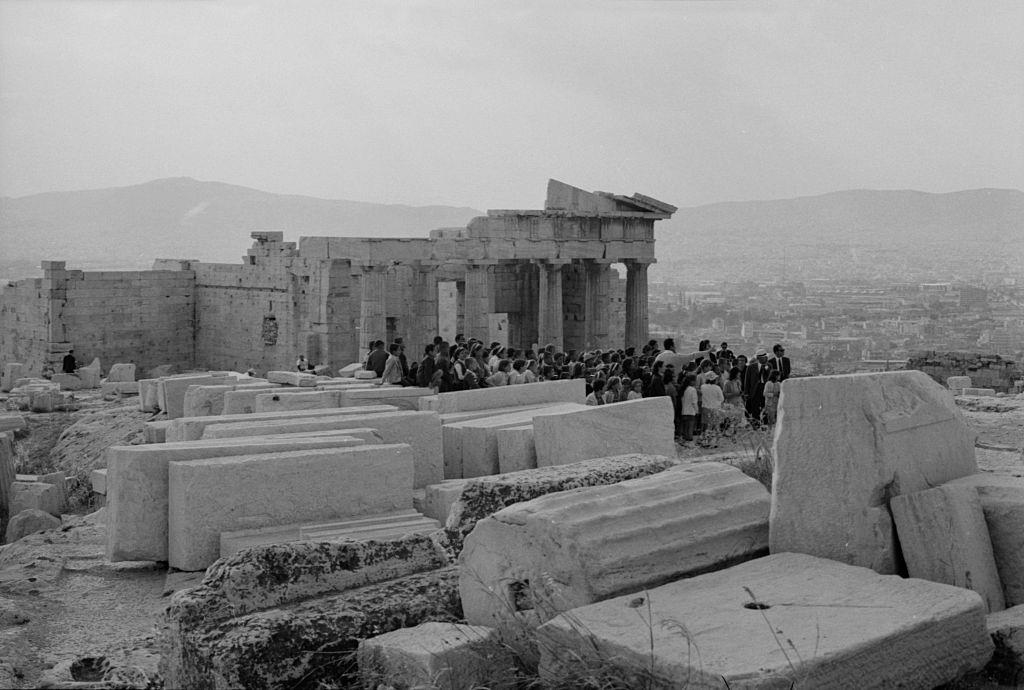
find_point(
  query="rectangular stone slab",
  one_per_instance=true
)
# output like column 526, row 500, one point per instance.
column 404, row 398
column 573, row 390
column 516, row 449
column 305, row 400
column 171, row 391
column 844, row 445
column 192, row 428
column 476, row 443
column 638, row 426
column 214, row 495
column 787, row 620
column 1002, row 500
column 137, row 484
column 944, row 538
column 421, row 430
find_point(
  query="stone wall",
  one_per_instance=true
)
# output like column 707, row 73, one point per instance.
column 985, row 370
column 143, row 317
column 23, row 324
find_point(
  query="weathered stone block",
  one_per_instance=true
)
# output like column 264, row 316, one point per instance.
column 404, row 398
column 98, row 479
column 12, row 371
column 1007, row 630
column 788, row 620
column 349, row 370
column 944, row 539
column 155, row 432
column 364, row 374
column 137, row 485
column 11, row 422
column 192, row 428
column 171, row 391
column 149, row 400
column 573, row 391
column 484, row 496
column 643, row 426
column 292, row 378
column 29, row 521
column 213, row 495
column 446, row 655
column 119, row 388
column 979, row 391
column 216, row 636
column 573, row 548
column 68, row 382
column 203, row 401
column 438, row 499
column 273, row 401
column 516, row 450
column 1002, row 500
column 121, row 372
column 421, row 430
column 35, row 495
column 844, row 445
column 958, row 383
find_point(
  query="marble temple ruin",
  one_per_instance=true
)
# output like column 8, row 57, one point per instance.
column 518, row 277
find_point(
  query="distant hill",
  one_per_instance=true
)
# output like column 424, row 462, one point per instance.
column 128, row 227
column 859, row 217
column 185, row 218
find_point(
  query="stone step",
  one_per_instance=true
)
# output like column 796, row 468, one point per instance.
column 381, row 526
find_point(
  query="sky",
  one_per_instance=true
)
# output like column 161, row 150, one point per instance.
column 479, row 103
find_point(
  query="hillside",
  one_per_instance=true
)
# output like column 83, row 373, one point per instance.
column 186, row 218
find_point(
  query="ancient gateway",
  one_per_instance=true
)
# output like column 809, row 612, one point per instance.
column 514, row 276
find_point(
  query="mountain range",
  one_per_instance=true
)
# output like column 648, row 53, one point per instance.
column 127, row 227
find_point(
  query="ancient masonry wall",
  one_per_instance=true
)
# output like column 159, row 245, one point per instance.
column 143, row 317
column 985, row 370
column 23, row 322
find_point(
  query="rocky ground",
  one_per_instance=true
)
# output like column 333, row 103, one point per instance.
column 70, row 619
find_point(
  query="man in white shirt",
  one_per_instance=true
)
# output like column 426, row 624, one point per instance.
column 670, row 356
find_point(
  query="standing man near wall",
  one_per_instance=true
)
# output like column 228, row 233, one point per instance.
column 69, row 364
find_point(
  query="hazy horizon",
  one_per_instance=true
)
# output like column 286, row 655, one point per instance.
column 476, row 105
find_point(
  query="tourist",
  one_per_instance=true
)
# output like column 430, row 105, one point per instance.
column 611, row 390
column 771, row 396
column 531, row 375
column 712, row 398
column 402, row 358
column 596, row 396
column 425, row 371
column 753, row 386
column 732, row 389
column 377, row 359
column 657, row 384
column 688, row 406
column 501, row 375
column 69, row 364
column 780, row 362
column 301, row 364
column 392, row 374
column 517, row 376
column 636, row 390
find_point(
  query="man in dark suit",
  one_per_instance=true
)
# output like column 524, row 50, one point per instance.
column 753, row 386
column 779, row 362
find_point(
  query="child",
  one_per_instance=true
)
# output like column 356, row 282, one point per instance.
column 771, row 397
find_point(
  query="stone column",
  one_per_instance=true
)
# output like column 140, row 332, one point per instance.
column 372, row 312
column 556, row 318
column 424, row 304
column 596, row 303
column 479, row 300
column 542, row 304
column 637, row 333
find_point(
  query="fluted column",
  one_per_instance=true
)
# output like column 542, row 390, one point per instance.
column 424, row 303
column 556, row 318
column 637, row 333
column 542, row 304
column 478, row 301
column 372, row 308
column 596, row 303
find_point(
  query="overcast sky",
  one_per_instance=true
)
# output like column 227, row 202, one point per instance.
column 479, row 103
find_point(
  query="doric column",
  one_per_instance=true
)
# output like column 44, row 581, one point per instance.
column 542, row 304
column 596, row 303
column 424, row 303
column 478, row 301
column 637, row 333
column 556, row 318
column 372, row 311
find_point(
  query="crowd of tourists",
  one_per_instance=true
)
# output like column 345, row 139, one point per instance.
column 713, row 390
